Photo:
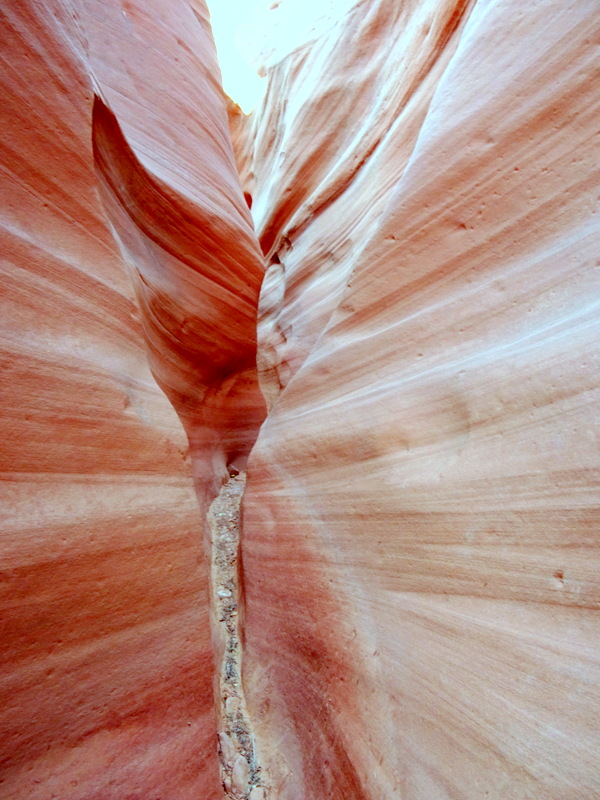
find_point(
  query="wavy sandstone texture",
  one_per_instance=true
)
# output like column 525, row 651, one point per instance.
column 116, row 158
column 420, row 543
column 419, row 567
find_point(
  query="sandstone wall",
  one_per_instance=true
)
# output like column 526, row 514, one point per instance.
column 118, row 173
column 420, row 540
column 419, row 568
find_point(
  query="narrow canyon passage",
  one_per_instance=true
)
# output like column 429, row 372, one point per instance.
column 301, row 501
column 240, row 767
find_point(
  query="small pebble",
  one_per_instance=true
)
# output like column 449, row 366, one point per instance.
column 227, row 748
column 231, row 705
column 239, row 777
column 258, row 793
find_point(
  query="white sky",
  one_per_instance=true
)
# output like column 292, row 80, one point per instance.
column 254, row 34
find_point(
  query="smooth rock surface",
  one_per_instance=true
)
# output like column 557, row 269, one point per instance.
column 116, row 158
column 420, row 599
column 420, row 540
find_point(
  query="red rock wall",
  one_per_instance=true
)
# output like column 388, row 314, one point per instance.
column 170, row 185
column 116, row 159
column 420, row 549
column 420, row 539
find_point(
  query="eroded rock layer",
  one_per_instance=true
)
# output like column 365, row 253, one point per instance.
column 420, row 540
column 116, row 159
column 416, row 607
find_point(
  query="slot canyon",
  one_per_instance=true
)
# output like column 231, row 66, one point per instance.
column 299, row 409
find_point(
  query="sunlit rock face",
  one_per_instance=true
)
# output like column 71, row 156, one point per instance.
column 119, row 192
column 420, row 543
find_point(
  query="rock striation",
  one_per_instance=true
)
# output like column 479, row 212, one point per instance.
column 420, row 536
column 126, row 240
column 414, row 613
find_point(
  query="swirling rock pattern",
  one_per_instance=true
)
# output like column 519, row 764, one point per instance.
column 418, row 609
column 420, row 540
column 116, row 159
